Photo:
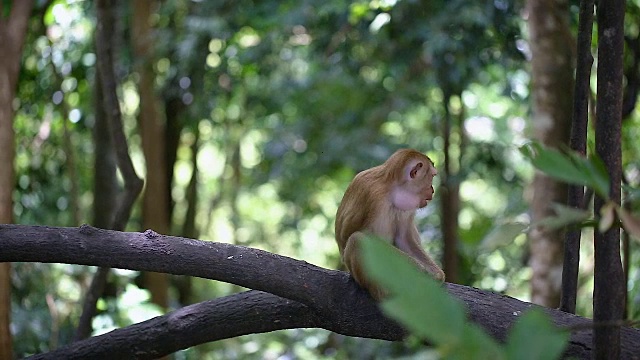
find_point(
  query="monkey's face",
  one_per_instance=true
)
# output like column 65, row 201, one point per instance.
column 425, row 184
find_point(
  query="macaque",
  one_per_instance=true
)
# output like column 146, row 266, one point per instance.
column 383, row 201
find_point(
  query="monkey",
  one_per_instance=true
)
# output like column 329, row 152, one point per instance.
column 382, row 201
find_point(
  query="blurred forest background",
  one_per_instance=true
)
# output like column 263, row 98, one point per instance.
column 247, row 121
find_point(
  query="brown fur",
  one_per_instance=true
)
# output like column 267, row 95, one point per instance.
column 367, row 208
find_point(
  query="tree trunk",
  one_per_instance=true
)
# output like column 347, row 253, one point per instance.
column 174, row 116
column 552, row 77
column 13, row 30
column 105, row 193
column 609, row 287
column 450, row 196
column 105, row 182
column 109, row 106
column 578, row 143
column 155, row 208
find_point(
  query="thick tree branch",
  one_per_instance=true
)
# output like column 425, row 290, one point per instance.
column 305, row 295
column 207, row 321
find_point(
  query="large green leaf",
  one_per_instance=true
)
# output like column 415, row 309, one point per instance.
column 477, row 345
column 595, row 170
column 421, row 304
column 535, row 337
column 571, row 167
column 416, row 300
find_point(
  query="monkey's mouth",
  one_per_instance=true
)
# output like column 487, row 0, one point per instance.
column 425, row 200
column 430, row 194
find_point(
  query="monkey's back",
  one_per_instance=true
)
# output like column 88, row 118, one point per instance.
column 360, row 202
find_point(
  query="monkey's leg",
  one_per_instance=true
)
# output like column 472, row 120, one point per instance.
column 352, row 259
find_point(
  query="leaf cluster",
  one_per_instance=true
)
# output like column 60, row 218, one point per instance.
column 423, row 306
column 571, row 167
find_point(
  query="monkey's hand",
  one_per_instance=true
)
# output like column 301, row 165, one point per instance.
column 430, row 268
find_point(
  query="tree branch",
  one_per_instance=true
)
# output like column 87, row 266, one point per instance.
column 305, row 295
column 192, row 325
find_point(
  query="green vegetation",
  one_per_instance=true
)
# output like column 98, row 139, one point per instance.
column 270, row 109
column 424, row 307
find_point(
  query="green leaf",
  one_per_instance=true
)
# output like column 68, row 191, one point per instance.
column 502, row 234
column 595, row 170
column 534, row 336
column 477, row 345
column 552, row 162
column 423, row 306
column 420, row 303
column 571, row 168
column 564, row 216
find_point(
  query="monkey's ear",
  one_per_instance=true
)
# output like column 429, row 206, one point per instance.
column 414, row 170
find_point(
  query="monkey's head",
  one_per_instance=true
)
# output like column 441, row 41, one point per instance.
column 414, row 173
column 420, row 179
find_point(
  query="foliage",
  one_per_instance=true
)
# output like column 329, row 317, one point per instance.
column 287, row 100
column 569, row 167
column 428, row 312
column 574, row 169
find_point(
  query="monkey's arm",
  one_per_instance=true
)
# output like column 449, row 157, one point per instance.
column 410, row 244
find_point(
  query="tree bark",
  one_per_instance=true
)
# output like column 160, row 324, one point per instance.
column 578, row 143
column 13, row 30
column 300, row 294
column 105, row 64
column 552, row 77
column 450, row 201
column 105, row 182
column 155, row 207
column 609, row 287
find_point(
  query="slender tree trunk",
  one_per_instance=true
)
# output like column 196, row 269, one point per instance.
column 105, row 45
column 105, row 193
column 155, row 208
column 609, row 287
column 174, row 114
column 578, row 143
column 552, row 77
column 450, row 203
column 105, row 183
column 13, row 30
column 7, row 154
